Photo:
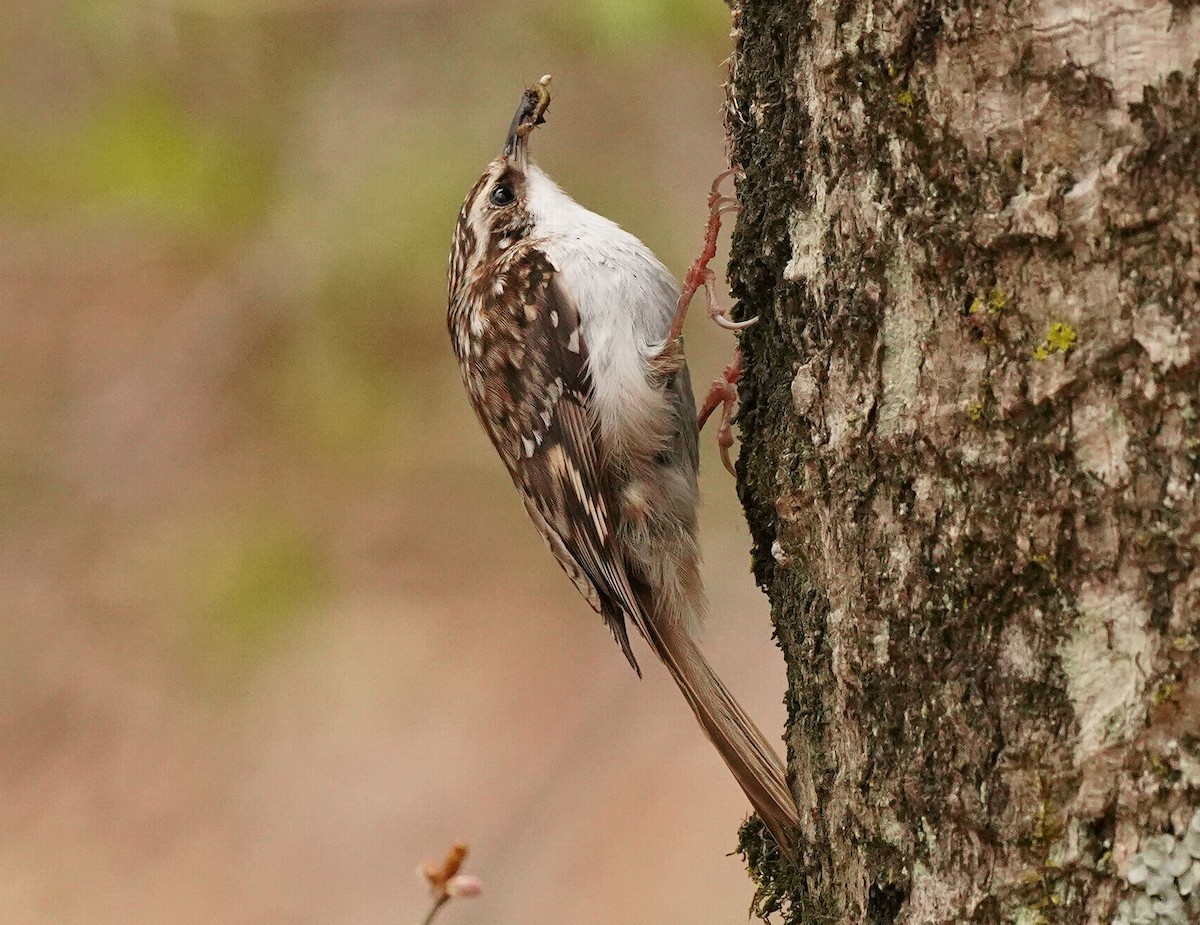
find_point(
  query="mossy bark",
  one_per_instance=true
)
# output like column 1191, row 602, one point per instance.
column 971, row 440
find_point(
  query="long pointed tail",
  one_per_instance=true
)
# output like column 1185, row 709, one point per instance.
column 754, row 764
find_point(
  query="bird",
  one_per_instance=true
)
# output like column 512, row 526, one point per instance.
column 566, row 331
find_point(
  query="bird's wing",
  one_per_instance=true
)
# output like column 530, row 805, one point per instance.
column 529, row 380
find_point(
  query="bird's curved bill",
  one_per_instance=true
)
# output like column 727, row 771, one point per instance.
column 530, row 114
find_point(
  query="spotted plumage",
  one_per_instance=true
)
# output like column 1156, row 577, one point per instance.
column 560, row 321
column 524, row 364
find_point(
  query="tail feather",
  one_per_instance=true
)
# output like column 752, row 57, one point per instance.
column 745, row 750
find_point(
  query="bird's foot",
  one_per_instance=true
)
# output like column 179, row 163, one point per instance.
column 723, row 394
column 698, row 273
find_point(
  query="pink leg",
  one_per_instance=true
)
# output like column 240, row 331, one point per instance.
column 723, row 392
column 699, row 274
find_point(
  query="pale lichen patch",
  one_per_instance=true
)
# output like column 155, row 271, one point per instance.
column 808, row 243
column 1104, row 660
column 1163, row 340
column 1082, row 205
column 847, row 403
column 879, row 643
column 804, row 388
column 1101, row 437
column 984, row 109
column 1087, row 31
column 1032, row 215
column 935, row 897
column 905, row 325
column 1016, row 653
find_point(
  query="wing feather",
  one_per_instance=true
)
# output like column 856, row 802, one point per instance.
column 528, row 378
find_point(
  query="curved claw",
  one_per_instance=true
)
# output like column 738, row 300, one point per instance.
column 725, row 456
column 730, row 325
column 715, row 189
column 716, row 313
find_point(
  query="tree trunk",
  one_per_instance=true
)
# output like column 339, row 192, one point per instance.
column 970, row 451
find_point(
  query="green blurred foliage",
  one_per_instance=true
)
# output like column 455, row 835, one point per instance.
column 621, row 26
column 343, row 384
column 394, row 231
column 138, row 150
column 247, row 580
column 333, row 400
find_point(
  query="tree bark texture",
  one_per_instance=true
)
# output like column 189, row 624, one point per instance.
column 971, row 442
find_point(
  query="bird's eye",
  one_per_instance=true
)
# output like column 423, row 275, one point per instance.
column 502, row 195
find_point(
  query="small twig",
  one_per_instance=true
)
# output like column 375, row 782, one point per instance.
column 433, row 910
column 445, row 881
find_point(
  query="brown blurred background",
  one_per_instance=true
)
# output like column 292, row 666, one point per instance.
column 275, row 627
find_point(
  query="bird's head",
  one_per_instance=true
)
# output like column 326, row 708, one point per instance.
column 496, row 213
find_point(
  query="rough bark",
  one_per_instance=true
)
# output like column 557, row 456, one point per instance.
column 971, row 445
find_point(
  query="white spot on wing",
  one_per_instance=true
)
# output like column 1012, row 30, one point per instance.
column 573, row 342
column 589, row 502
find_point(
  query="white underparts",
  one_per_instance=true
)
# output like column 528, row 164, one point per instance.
column 626, row 300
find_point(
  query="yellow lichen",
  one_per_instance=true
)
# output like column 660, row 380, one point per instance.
column 975, row 409
column 1162, row 693
column 1060, row 338
column 1043, row 561
column 905, row 99
column 992, row 305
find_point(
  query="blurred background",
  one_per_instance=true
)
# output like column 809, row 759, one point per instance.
column 275, row 627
